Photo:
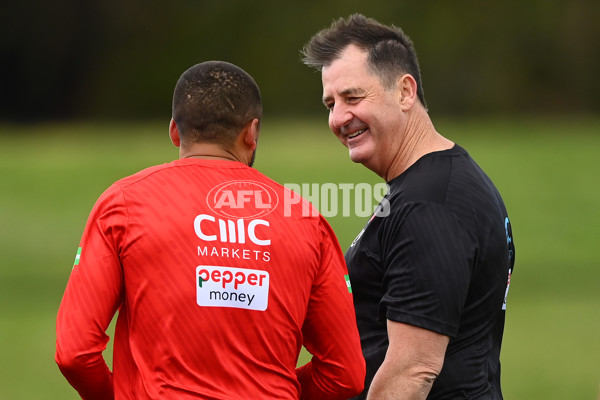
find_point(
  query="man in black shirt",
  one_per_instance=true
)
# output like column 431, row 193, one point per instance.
column 431, row 268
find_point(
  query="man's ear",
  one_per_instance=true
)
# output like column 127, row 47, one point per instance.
column 174, row 133
column 251, row 131
column 407, row 86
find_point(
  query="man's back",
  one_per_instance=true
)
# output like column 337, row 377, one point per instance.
column 222, row 284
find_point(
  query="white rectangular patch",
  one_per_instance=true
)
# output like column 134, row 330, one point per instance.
column 232, row 287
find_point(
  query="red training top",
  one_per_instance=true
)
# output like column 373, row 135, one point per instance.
column 219, row 276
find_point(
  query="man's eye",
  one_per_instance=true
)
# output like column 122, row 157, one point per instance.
column 329, row 107
column 353, row 99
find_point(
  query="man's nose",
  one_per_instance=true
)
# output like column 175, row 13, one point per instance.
column 339, row 116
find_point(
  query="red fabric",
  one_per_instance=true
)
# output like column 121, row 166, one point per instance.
column 158, row 248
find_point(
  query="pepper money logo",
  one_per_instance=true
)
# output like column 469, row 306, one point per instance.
column 242, row 199
column 218, row 286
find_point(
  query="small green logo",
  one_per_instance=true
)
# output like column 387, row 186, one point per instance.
column 347, row 278
column 77, row 256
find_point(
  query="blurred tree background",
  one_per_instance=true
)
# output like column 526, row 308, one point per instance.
column 82, row 59
column 76, row 74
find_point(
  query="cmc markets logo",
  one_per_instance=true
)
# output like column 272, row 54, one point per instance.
column 242, row 199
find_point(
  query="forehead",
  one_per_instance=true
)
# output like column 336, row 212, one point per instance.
column 349, row 72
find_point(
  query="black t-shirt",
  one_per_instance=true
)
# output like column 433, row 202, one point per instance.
column 437, row 254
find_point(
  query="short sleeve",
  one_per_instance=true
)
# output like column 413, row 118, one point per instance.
column 428, row 259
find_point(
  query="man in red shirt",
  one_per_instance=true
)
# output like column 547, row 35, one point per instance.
column 218, row 274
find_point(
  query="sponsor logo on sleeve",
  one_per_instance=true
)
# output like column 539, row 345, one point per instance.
column 347, row 278
column 77, row 256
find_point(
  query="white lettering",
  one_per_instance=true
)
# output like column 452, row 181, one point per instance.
column 252, row 234
column 238, row 200
column 243, row 197
column 381, row 189
column 231, row 231
column 326, row 199
column 240, row 229
column 258, row 200
column 231, row 225
column 362, row 191
column 346, row 187
column 312, row 197
column 198, row 228
column 227, row 252
column 329, row 200
column 222, row 231
column 290, row 197
column 226, row 199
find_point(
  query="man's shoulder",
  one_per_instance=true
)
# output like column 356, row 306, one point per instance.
column 425, row 181
column 432, row 176
column 144, row 173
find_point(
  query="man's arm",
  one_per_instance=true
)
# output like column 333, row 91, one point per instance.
column 89, row 303
column 337, row 368
column 413, row 361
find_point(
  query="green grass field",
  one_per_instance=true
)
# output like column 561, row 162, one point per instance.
column 547, row 171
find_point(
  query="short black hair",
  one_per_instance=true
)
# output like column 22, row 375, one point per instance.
column 390, row 51
column 213, row 101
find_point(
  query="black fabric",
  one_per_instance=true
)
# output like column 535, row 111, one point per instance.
column 439, row 260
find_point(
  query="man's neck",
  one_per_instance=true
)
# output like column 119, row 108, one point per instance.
column 208, row 151
column 420, row 138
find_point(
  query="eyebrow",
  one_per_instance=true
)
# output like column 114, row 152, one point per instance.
column 345, row 93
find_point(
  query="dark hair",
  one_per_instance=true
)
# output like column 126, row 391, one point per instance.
column 390, row 50
column 213, row 101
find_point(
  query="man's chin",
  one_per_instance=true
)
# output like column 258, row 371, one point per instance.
column 356, row 156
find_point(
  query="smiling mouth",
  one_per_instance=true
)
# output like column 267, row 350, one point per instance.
column 355, row 134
